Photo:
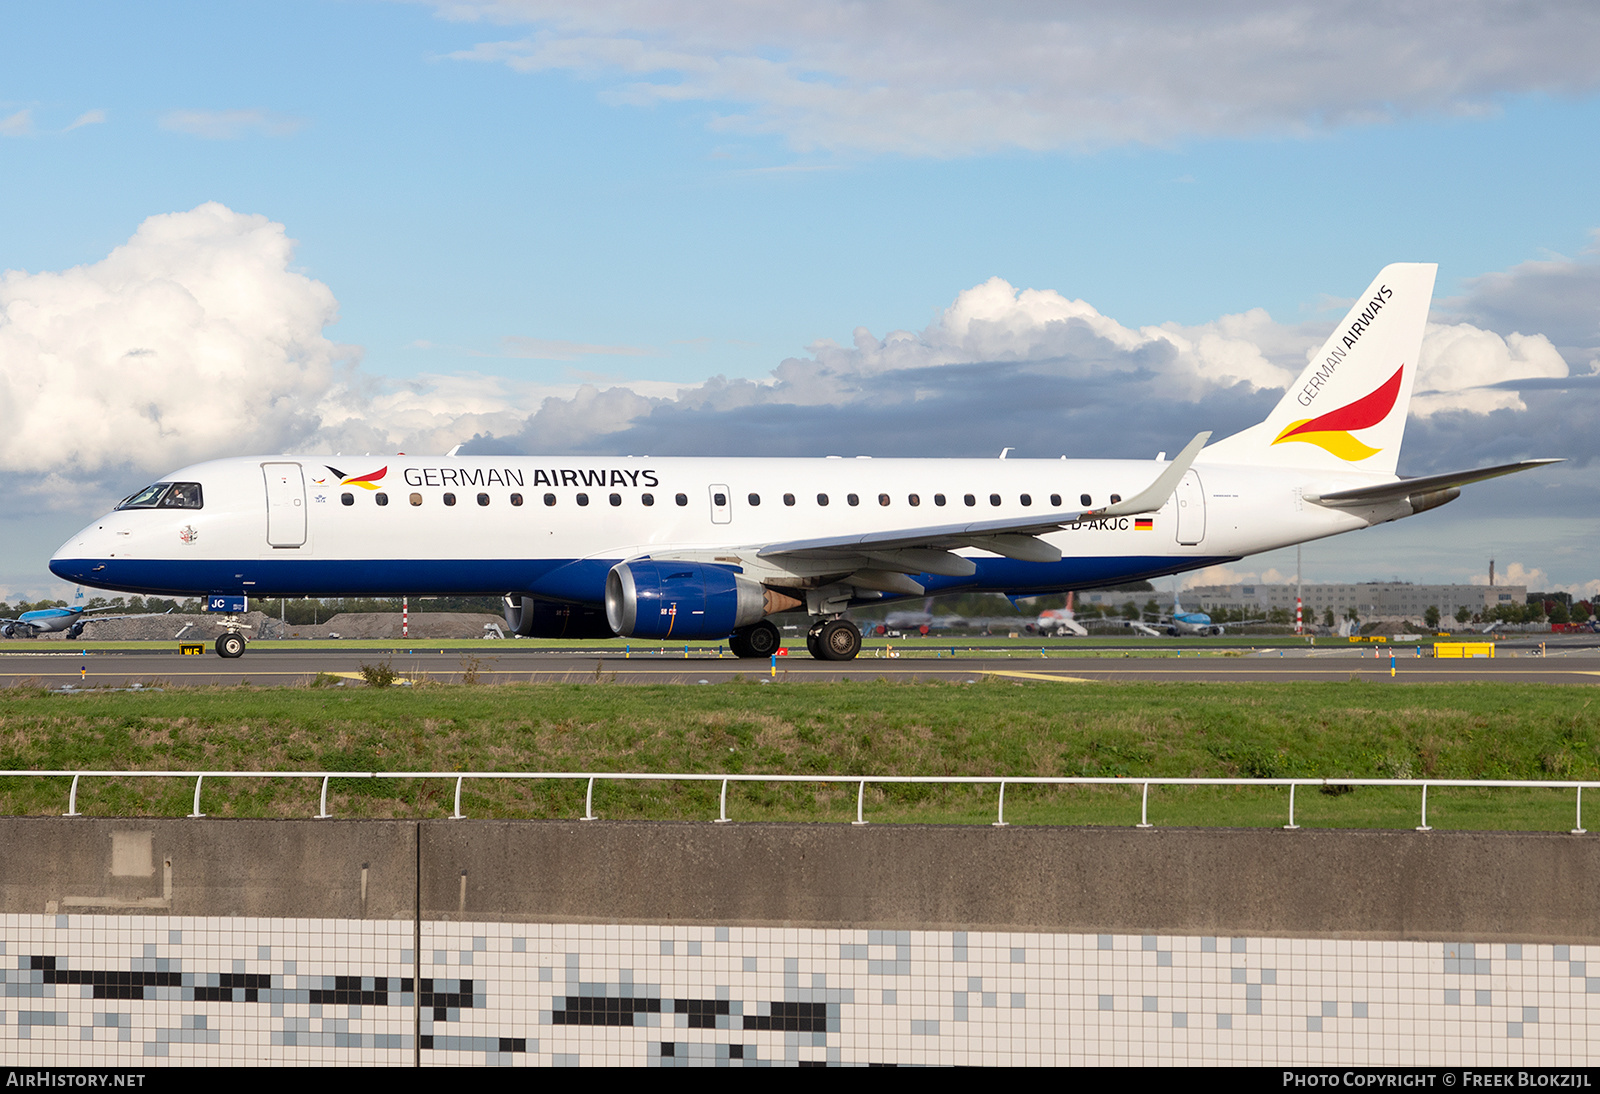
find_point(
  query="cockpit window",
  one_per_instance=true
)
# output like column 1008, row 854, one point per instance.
column 166, row 495
column 146, row 498
column 183, row 495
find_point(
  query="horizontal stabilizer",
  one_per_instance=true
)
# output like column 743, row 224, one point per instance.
column 1362, row 496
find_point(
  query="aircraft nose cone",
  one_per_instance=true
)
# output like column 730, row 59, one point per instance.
column 75, row 558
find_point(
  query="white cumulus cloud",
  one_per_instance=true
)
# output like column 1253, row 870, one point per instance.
column 1460, row 361
column 198, row 339
column 193, row 338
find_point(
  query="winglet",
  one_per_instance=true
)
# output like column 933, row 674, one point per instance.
column 1155, row 495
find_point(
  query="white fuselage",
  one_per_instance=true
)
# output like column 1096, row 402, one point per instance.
column 295, row 526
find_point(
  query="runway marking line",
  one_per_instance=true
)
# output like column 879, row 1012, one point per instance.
column 1043, row 676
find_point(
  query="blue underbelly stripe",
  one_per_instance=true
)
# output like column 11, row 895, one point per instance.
column 581, row 580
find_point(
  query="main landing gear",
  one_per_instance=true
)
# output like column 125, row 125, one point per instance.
column 834, row 640
column 828, row 640
column 758, row 640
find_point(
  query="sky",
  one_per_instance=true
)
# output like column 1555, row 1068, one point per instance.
column 675, row 227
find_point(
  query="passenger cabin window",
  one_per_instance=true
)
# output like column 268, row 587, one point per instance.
column 615, row 499
column 1084, row 499
column 416, row 499
column 938, row 499
column 1115, row 498
column 449, row 499
column 1027, row 499
column 788, row 499
column 913, row 500
column 754, row 499
column 549, row 499
column 1055, row 500
column 647, row 499
column 883, row 499
column 516, row 499
column 969, row 499
column 681, row 499
column 994, row 499
column 719, row 499
column 852, row 499
column 822, row 499
column 483, row 499
column 381, row 498
column 583, row 499
column 347, row 499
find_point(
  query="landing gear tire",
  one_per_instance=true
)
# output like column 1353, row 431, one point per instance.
column 230, row 645
column 759, row 640
column 836, row 640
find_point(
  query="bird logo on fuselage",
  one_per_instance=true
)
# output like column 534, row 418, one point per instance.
column 366, row 482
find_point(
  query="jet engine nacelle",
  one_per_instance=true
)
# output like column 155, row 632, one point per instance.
column 550, row 619
column 651, row 599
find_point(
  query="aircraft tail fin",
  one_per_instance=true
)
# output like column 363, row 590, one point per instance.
column 1347, row 409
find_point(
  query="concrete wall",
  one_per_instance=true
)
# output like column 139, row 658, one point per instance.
column 130, row 942
column 325, row 869
column 1514, row 887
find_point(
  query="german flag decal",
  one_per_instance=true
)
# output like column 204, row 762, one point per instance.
column 1143, row 524
column 1331, row 431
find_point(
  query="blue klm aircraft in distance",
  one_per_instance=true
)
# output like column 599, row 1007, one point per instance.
column 50, row 620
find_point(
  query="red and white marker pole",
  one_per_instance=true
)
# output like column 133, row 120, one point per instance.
column 405, row 617
column 1299, row 627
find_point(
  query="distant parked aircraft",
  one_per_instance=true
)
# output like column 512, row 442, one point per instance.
column 50, row 620
column 1061, row 622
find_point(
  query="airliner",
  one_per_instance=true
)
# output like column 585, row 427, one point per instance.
column 51, row 620
column 697, row 549
column 1061, row 622
column 1181, row 623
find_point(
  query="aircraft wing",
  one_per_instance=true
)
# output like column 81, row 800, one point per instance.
column 935, row 536
column 1362, row 496
column 1012, row 537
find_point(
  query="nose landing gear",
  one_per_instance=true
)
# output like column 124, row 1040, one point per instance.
column 230, row 644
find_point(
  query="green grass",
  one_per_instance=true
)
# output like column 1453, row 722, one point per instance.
column 1466, row 731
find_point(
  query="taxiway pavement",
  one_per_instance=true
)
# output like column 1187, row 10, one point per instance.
column 272, row 664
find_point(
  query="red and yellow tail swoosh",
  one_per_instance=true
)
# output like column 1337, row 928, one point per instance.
column 1331, row 431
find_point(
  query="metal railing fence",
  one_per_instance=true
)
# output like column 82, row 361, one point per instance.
column 861, row 782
